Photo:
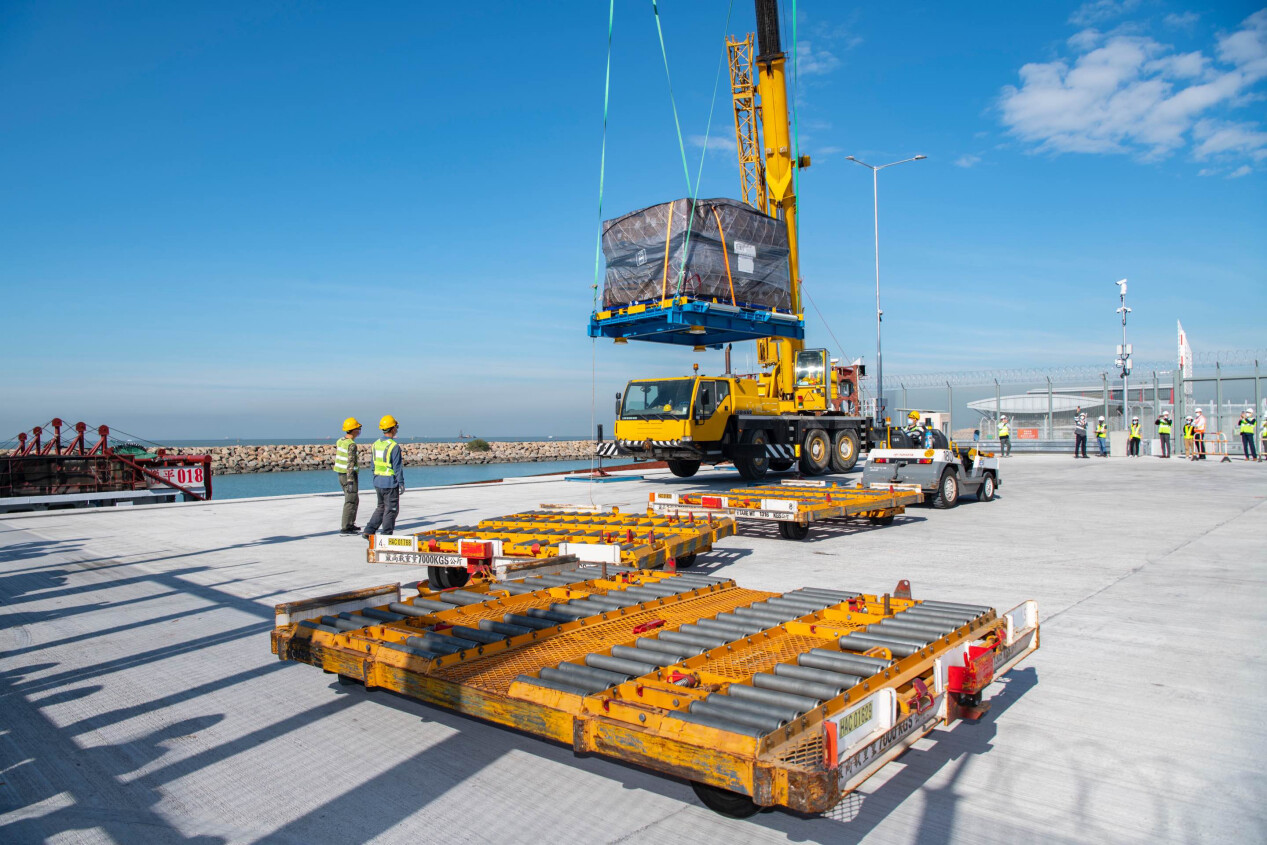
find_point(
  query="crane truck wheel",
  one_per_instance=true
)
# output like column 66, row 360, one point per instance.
column 947, row 493
column 815, row 452
column 683, row 469
column 844, row 453
column 753, row 467
column 736, row 805
column 446, row 577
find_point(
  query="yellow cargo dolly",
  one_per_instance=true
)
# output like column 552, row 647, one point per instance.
column 792, row 504
column 536, row 539
column 758, row 699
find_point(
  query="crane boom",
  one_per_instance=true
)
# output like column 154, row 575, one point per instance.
column 780, row 166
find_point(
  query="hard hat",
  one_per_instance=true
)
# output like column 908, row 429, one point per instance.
column 913, row 415
column 1134, row 419
column 1165, row 413
column 1187, row 419
column 1198, row 410
column 387, row 422
column 1003, row 416
column 350, row 424
column 1101, row 419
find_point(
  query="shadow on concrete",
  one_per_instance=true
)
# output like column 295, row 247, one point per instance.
column 84, row 786
column 826, row 529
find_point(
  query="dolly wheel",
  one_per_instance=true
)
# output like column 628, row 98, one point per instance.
column 447, row 577
column 685, row 561
column 349, row 681
column 736, row 805
column 887, row 519
column 793, row 530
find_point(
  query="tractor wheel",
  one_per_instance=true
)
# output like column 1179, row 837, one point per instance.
column 815, row 452
column 446, row 577
column 844, row 453
column 753, row 468
column 986, row 491
column 736, row 805
column 683, row 469
column 947, row 493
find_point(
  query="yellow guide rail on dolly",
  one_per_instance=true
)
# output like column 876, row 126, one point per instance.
column 759, row 699
column 792, row 504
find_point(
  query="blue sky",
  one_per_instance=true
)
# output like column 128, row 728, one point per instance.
column 252, row 220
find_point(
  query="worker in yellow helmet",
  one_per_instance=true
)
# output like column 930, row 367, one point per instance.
column 915, row 430
column 346, row 465
column 1005, row 437
column 389, row 479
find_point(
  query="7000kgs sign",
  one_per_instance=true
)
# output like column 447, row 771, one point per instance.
column 416, row 558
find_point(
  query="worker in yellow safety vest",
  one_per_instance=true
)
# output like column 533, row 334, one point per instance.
column 1263, row 433
column 1189, row 439
column 1249, row 426
column 1132, row 450
column 389, row 479
column 1198, row 433
column 1005, row 437
column 1102, row 437
column 1164, row 427
column 346, row 465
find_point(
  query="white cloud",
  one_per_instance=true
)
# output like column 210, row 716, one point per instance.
column 1215, row 137
column 1097, row 11
column 1130, row 94
column 714, row 143
column 826, row 151
column 1243, row 170
column 1184, row 20
column 811, row 62
column 967, row 161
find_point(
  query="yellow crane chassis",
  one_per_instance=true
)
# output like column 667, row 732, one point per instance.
column 683, row 674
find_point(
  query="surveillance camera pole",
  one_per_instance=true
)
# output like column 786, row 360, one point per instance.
column 1124, row 355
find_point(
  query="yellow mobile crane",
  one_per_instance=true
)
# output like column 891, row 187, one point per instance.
column 802, row 407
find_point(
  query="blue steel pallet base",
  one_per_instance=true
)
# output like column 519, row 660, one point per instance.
column 611, row 479
column 698, row 324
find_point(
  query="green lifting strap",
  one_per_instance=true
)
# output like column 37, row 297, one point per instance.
column 602, row 161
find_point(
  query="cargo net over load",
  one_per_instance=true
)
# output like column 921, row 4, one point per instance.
column 720, row 251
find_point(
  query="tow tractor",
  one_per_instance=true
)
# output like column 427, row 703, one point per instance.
column 938, row 467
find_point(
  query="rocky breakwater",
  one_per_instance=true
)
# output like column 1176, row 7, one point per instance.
column 230, row 460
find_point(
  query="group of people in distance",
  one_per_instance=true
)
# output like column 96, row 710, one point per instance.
column 1193, row 430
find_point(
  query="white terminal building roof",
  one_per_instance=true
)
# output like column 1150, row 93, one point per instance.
column 1028, row 403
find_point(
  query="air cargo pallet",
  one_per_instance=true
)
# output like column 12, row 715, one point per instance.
column 759, row 699
column 792, row 504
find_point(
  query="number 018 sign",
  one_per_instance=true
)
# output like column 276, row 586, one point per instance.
column 190, row 478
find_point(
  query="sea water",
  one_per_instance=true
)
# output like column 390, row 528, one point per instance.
column 326, row 481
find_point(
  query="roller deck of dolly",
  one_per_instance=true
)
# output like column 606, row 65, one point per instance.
column 647, row 541
column 752, row 696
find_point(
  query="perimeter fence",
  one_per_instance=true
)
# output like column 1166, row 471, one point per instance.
column 1041, row 403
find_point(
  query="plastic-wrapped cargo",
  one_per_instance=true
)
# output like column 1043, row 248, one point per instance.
column 735, row 255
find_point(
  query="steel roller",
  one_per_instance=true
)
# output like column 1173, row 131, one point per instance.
column 796, row 686
column 616, row 664
column 716, row 722
column 799, row 703
column 764, row 723
column 818, row 676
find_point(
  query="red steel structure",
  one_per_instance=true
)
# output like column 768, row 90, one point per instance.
column 44, row 465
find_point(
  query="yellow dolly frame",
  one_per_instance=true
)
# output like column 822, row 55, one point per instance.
column 536, row 539
column 758, row 699
column 792, row 504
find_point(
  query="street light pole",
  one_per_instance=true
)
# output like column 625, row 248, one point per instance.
column 879, row 313
column 1124, row 356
